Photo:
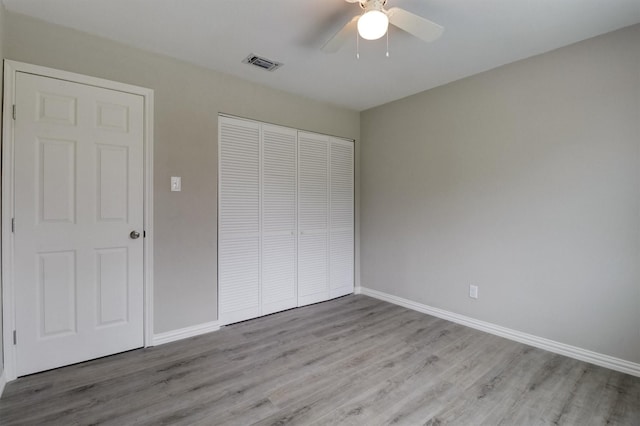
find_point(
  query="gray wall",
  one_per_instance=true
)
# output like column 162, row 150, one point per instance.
column 523, row 180
column 187, row 101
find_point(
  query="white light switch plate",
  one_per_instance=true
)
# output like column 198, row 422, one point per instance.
column 473, row 291
column 176, row 183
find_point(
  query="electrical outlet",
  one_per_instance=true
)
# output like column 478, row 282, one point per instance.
column 473, row 291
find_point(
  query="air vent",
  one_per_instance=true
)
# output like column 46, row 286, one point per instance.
column 264, row 63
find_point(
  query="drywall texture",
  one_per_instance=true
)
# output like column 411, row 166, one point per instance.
column 523, row 180
column 187, row 102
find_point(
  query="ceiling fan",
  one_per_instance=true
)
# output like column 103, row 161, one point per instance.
column 375, row 20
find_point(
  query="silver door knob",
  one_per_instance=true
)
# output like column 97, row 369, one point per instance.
column 134, row 235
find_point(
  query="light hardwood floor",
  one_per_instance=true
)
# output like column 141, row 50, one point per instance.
column 353, row 360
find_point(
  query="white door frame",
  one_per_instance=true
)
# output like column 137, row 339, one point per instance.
column 8, row 300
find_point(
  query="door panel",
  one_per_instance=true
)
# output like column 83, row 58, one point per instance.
column 78, row 195
column 341, row 235
column 56, row 184
column 279, row 148
column 239, row 221
column 239, row 278
column 112, row 284
column 341, row 260
column 56, row 294
column 313, row 218
column 278, row 273
column 113, row 183
column 312, row 268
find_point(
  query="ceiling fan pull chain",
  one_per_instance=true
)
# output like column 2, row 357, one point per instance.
column 357, row 46
column 387, row 43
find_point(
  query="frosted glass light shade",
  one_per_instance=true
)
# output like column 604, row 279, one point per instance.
column 373, row 25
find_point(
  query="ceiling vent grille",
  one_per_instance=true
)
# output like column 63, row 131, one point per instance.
column 263, row 63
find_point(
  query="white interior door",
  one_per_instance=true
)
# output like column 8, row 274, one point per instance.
column 78, row 274
column 313, row 218
column 279, row 252
column 341, row 234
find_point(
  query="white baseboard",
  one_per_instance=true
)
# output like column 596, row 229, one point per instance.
column 184, row 333
column 3, row 382
column 586, row 355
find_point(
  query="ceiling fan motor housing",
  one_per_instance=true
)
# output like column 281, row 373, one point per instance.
column 368, row 5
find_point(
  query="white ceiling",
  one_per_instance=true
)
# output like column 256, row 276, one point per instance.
column 218, row 34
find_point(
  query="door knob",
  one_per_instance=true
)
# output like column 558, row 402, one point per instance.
column 134, row 235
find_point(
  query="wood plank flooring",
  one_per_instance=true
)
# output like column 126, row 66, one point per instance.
column 353, row 361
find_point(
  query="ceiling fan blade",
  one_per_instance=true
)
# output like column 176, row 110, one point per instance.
column 414, row 24
column 339, row 39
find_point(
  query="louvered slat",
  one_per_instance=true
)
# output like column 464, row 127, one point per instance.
column 312, row 269
column 239, row 283
column 239, row 176
column 341, row 262
column 313, row 182
column 279, row 180
column 278, row 273
column 341, row 186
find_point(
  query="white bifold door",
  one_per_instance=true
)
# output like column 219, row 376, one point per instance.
column 238, row 220
column 341, row 218
column 78, row 262
column 285, row 227
column 313, row 218
column 257, row 219
column 325, row 218
column 279, row 245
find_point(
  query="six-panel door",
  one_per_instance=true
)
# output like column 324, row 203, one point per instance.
column 78, row 196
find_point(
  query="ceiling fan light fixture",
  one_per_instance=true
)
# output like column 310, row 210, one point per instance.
column 373, row 24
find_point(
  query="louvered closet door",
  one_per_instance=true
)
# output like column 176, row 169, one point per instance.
column 313, row 218
column 279, row 146
column 239, row 220
column 341, row 214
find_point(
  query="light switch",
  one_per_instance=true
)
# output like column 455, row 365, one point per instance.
column 176, row 183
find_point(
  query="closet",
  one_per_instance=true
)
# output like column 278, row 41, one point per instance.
column 285, row 218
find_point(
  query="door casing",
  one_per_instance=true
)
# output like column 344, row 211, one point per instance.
column 8, row 301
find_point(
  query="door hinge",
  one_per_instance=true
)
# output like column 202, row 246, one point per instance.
column 13, row 111
column 144, row 234
column 13, row 224
column 15, row 337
